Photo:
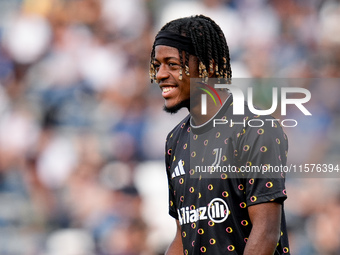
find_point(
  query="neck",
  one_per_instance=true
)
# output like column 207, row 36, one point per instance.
column 195, row 110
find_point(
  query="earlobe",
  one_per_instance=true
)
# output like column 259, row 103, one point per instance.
column 192, row 67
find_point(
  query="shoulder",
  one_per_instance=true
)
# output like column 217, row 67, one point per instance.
column 183, row 125
column 260, row 130
column 265, row 125
column 178, row 134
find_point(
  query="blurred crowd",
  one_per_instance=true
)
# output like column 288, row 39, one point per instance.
column 82, row 130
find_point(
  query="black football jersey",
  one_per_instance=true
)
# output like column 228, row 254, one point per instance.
column 216, row 171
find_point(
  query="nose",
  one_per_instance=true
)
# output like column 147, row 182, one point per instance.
column 162, row 73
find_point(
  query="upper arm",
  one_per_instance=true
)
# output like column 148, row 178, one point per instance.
column 265, row 190
column 176, row 247
column 266, row 216
column 262, row 153
column 265, row 233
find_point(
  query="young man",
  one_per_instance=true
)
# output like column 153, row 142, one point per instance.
column 240, row 213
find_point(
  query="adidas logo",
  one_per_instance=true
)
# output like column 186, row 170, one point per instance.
column 179, row 170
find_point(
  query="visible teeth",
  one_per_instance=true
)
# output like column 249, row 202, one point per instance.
column 167, row 89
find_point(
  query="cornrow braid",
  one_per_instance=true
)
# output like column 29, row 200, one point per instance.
column 208, row 42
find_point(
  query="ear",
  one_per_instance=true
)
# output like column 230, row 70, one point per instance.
column 193, row 65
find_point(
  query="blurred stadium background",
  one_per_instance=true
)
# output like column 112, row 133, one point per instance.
column 82, row 131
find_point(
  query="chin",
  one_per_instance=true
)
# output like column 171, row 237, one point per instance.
column 175, row 108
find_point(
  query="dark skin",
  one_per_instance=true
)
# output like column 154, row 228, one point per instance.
column 176, row 246
column 265, row 233
column 167, row 64
column 265, row 217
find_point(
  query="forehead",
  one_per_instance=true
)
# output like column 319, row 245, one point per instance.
column 162, row 52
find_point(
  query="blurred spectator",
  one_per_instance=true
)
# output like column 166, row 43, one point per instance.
column 70, row 242
column 82, row 131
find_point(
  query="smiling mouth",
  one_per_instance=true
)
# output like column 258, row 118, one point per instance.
column 167, row 89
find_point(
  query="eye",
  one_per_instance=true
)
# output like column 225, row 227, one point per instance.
column 173, row 64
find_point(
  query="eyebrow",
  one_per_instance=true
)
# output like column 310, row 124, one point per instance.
column 167, row 59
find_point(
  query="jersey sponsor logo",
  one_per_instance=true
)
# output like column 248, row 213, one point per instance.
column 179, row 170
column 216, row 211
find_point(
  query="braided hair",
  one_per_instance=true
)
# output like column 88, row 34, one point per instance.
column 209, row 46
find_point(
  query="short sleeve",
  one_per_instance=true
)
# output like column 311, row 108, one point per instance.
column 168, row 156
column 262, row 156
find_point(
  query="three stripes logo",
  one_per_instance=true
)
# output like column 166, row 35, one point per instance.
column 204, row 97
column 179, row 170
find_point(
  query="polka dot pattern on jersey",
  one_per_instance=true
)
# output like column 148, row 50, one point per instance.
column 192, row 192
